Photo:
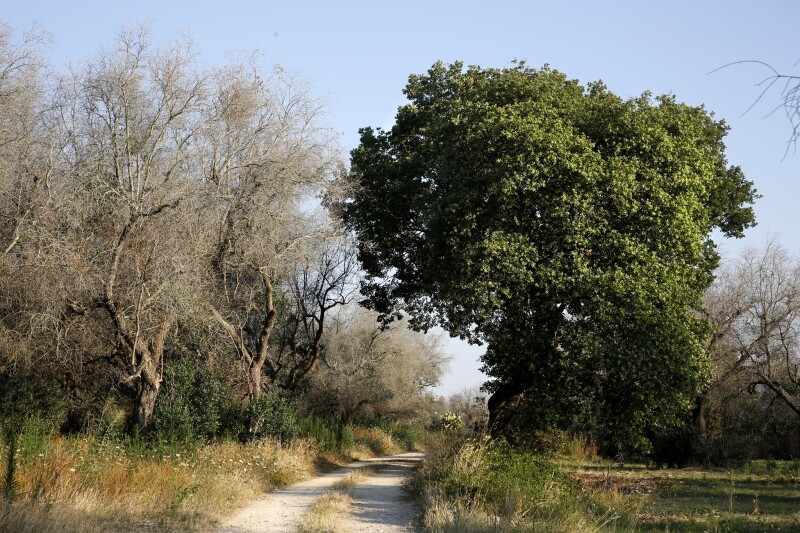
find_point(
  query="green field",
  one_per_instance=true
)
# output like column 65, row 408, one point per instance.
column 761, row 496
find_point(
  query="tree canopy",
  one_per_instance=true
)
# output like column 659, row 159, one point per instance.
column 568, row 228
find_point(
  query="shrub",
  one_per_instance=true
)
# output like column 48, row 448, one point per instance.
column 194, row 403
column 332, row 436
column 485, row 485
column 405, row 435
column 270, row 415
column 449, row 421
column 33, row 396
column 378, row 441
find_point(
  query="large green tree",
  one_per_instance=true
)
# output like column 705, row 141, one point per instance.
column 567, row 227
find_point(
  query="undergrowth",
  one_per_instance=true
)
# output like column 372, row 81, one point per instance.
column 480, row 485
column 96, row 483
column 124, row 482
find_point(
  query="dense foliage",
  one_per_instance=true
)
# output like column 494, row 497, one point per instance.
column 567, row 227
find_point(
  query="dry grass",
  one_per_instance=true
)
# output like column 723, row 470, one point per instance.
column 86, row 485
column 35, row 518
column 69, row 485
column 376, row 441
column 456, row 517
column 327, row 514
column 353, row 479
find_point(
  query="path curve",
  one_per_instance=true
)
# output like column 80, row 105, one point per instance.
column 281, row 510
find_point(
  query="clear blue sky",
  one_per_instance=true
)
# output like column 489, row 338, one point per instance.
column 358, row 56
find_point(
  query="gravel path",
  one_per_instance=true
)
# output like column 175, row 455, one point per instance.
column 281, row 510
column 379, row 504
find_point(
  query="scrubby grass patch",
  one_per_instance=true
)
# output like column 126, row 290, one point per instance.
column 95, row 483
column 327, row 514
column 479, row 485
column 353, row 479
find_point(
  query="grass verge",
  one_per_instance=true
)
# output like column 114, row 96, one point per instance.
column 86, row 484
column 479, row 485
column 80, row 484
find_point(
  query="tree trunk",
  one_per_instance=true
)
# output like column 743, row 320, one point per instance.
column 259, row 358
column 699, row 415
column 146, row 394
column 256, row 363
column 498, row 402
column 699, row 441
column 254, row 380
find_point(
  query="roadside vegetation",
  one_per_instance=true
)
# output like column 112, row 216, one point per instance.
column 474, row 485
column 479, row 485
column 87, row 483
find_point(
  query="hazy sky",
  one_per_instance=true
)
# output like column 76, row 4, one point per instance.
column 358, row 55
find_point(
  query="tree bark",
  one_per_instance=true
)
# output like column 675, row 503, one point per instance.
column 497, row 404
column 256, row 366
column 146, row 393
column 699, row 414
column 255, row 361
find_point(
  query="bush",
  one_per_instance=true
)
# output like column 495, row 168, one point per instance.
column 485, row 485
column 332, row 436
column 405, row 435
column 33, row 396
column 195, row 403
column 449, row 421
column 270, row 415
column 378, row 441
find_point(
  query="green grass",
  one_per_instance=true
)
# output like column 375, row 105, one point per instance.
column 760, row 496
column 476, row 486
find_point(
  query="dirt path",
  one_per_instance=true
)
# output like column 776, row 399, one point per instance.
column 281, row 510
column 379, row 504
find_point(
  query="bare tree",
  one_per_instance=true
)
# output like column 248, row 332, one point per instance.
column 323, row 282
column 140, row 192
column 23, row 170
column 28, row 200
column 754, row 306
column 788, row 88
column 130, row 117
column 366, row 369
column 265, row 156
